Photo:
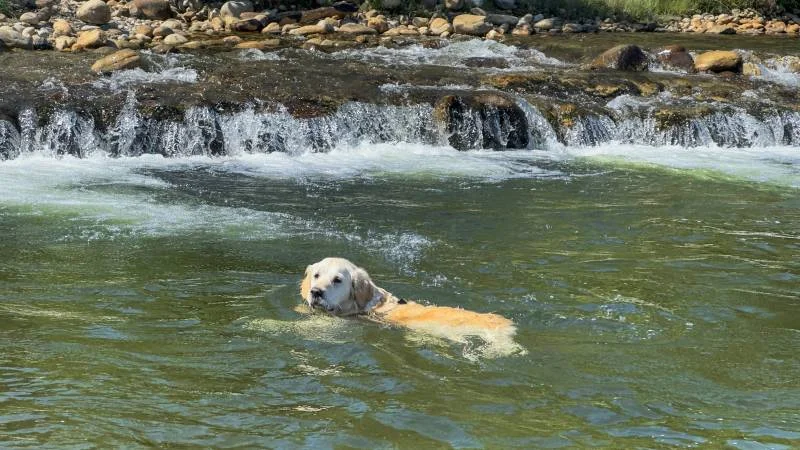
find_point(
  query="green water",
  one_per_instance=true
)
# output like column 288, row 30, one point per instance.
column 658, row 308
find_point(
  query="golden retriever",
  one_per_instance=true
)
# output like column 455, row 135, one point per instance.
column 341, row 288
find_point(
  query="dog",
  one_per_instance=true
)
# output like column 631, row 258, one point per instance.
column 339, row 287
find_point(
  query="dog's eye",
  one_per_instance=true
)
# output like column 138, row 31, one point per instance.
column 316, row 275
column 337, row 280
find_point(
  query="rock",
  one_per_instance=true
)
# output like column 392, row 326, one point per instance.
column 272, row 28
column 572, row 28
column 493, row 35
column 31, row 18
column 544, row 24
column 454, row 5
column 506, row 4
column 438, row 26
column 721, row 29
column 144, row 30
column 153, row 9
column 502, row 19
column 62, row 28
column 247, row 25
column 471, row 24
column 379, row 23
column 175, row 39
column 486, row 62
column 309, row 29
column 64, row 43
column 162, row 31
column 123, row 59
column 675, row 57
column 315, row 15
column 355, row 29
column 621, row 57
column 90, row 39
column 718, row 61
column 95, row 12
column 751, row 69
column 234, row 8
column 260, row 45
column 482, row 120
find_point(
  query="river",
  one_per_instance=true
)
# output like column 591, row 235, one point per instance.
column 148, row 299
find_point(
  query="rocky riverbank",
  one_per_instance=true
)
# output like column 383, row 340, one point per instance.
column 69, row 25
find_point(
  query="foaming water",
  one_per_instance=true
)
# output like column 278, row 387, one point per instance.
column 121, row 79
column 455, row 54
column 254, row 54
column 775, row 165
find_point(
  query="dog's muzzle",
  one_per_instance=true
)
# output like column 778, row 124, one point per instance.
column 318, row 300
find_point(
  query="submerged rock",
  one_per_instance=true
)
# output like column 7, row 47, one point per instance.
column 675, row 57
column 483, row 120
column 719, row 61
column 622, row 57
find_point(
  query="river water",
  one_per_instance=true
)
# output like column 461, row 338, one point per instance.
column 150, row 301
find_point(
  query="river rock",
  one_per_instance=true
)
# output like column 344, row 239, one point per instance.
column 64, row 43
column 175, row 39
column 272, row 28
column 502, row 19
column 310, row 29
column 123, row 59
column 90, row 39
column 718, row 61
column 95, row 12
column 260, row 45
column 339, row 10
column 31, row 18
column 62, row 28
column 545, row 24
column 235, row 8
column 482, row 120
column 622, row 57
column 471, row 24
column 247, row 25
column 721, row 29
column 355, row 29
column 153, row 9
column 675, row 57
column 13, row 38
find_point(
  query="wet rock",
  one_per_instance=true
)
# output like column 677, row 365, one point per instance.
column 9, row 137
column 272, row 28
column 482, row 120
column 622, row 57
column 315, row 15
column 502, row 19
column 260, row 45
column 153, row 9
column 438, row 26
column 235, row 8
column 247, row 25
column 95, row 12
column 123, row 59
column 675, row 57
column 90, row 39
column 356, row 29
column 378, row 23
column 320, row 28
column 471, row 24
column 718, row 61
column 545, row 24
column 487, row 62
column 721, row 29
column 751, row 69
column 64, row 43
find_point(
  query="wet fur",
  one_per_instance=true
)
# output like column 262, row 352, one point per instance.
column 368, row 300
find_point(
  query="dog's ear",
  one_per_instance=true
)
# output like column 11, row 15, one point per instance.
column 363, row 289
column 305, row 285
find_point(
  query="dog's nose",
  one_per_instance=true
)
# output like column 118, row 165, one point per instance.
column 317, row 293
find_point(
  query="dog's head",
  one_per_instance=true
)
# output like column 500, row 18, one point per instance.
column 337, row 286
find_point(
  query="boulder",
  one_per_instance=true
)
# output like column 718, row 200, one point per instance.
column 338, row 10
column 64, row 43
column 379, row 23
column 622, row 57
column 234, row 8
column 355, row 29
column 175, row 39
column 90, row 39
column 30, row 18
column 309, row 29
column 438, row 26
column 95, row 12
column 482, row 120
column 502, row 19
column 153, row 9
column 471, row 24
column 545, row 24
column 62, row 28
column 123, row 59
column 675, row 57
column 144, row 30
column 718, row 61
column 247, row 25
column 272, row 28
column 13, row 38
column 721, row 29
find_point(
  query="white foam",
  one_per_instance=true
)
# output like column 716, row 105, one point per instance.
column 254, row 54
column 121, row 79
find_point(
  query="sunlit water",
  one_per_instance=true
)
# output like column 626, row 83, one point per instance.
column 150, row 301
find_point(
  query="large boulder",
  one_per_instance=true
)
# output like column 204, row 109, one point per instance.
column 482, row 120
column 247, row 25
column 91, row 39
column 502, row 19
column 675, row 57
column 471, row 24
column 234, row 8
column 13, row 38
column 439, row 25
column 718, row 61
column 95, row 12
column 175, row 39
column 62, row 28
column 123, row 59
column 338, row 10
column 153, row 9
column 622, row 57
